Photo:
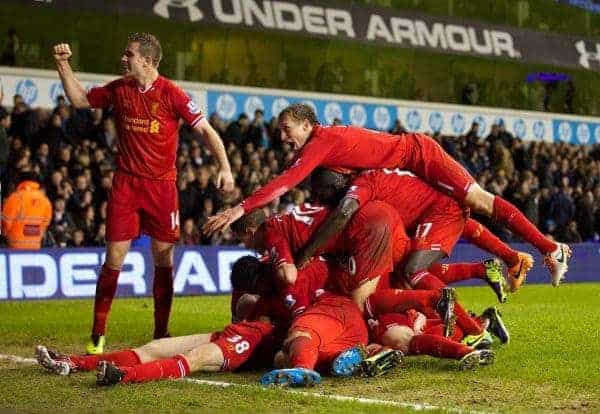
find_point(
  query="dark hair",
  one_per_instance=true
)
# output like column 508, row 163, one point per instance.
column 245, row 273
column 253, row 219
column 328, row 186
column 299, row 112
column 28, row 176
column 149, row 46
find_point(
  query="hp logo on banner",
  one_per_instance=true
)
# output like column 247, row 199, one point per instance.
column 583, row 133
column 358, row 115
column 333, row 110
column 585, row 56
column 382, row 118
column 519, row 128
column 458, row 123
column 480, row 120
column 194, row 14
column 252, row 104
column 564, row 131
column 226, row 106
column 28, row 90
column 539, row 130
column 436, row 121
column 413, row 120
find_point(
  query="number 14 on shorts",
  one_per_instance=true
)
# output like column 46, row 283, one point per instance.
column 174, row 219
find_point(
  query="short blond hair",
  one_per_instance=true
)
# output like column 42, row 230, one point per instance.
column 149, row 46
column 299, row 112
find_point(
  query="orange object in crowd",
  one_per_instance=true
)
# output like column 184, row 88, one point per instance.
column 26, row 215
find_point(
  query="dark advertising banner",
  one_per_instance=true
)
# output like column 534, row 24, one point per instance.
column 382, row 26
column 72, row 273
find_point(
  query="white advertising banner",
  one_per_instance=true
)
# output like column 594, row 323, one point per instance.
column 40, row 88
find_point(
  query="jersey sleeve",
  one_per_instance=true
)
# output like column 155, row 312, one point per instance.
column 360, row 190
column 309, row 158
column 101, row 96
column 185, row 108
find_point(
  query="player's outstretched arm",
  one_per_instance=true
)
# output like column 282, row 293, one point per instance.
column 73, row 89
column 331, row 227
column 224, row 177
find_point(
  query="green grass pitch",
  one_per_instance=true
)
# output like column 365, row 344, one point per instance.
column 551, row 365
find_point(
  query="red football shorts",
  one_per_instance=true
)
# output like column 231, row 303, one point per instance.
column 373, row 240
column 239, row 341
column 428, row 160
column 140, row 205
column 440, row 227
column 411, row 319
column 336, row 322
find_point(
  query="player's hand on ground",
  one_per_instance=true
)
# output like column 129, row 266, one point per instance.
column 225, row 180
column 221, row 221
column 62, row 52
column 287, row 273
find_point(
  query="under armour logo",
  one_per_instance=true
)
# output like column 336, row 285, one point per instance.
column 585, row 56
column 161, row 7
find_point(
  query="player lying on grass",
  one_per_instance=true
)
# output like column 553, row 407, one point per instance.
column 247, row 343
column 355, row 148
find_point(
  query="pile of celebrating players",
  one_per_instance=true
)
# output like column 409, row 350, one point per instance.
column 347, row 285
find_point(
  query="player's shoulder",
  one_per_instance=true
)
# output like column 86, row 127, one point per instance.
column 122, row 82
column 167, row 84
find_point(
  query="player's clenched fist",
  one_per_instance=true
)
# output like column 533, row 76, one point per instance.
column 62, row 52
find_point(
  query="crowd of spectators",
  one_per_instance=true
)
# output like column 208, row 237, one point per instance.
column 557, row 186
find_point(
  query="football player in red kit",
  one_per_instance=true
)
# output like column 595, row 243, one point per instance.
column 358, row 149
column 144, row 196
column 244, row 343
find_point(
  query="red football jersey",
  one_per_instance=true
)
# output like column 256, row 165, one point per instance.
column 285, row 234
column 410, row 196
column 147, row 124
column 335, row 146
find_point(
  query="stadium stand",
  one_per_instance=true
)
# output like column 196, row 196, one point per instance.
column 556, row 185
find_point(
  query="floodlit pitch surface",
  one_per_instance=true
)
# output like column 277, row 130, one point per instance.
column 552, row 363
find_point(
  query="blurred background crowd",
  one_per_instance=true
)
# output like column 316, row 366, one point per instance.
column 556, row 185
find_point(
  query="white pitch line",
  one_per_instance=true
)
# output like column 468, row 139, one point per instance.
column 18, row 360
column 335, row 397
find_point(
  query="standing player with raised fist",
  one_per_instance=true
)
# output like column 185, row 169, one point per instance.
column 144, row 195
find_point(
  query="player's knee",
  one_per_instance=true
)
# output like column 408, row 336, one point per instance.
column 480, row 200
column 295, row 334
column 398, row 337
column 163, row 256
column 281, row 360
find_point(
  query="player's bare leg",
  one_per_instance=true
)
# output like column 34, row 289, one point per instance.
column 300, row 354
column 556, row 255
column 106, row 287
column 162, row 290
column 206, row 357
column 155, row 350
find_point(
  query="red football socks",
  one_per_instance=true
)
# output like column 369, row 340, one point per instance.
column 425, row 280
column 125, row 358
column 170, row 368
column 480, row 236
column 106, row 287
column 163, row 297
column 398, row 301
column 511, row 217
column 303, row 352
column 456, row 272
column 438, row 329
column 437, row 346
